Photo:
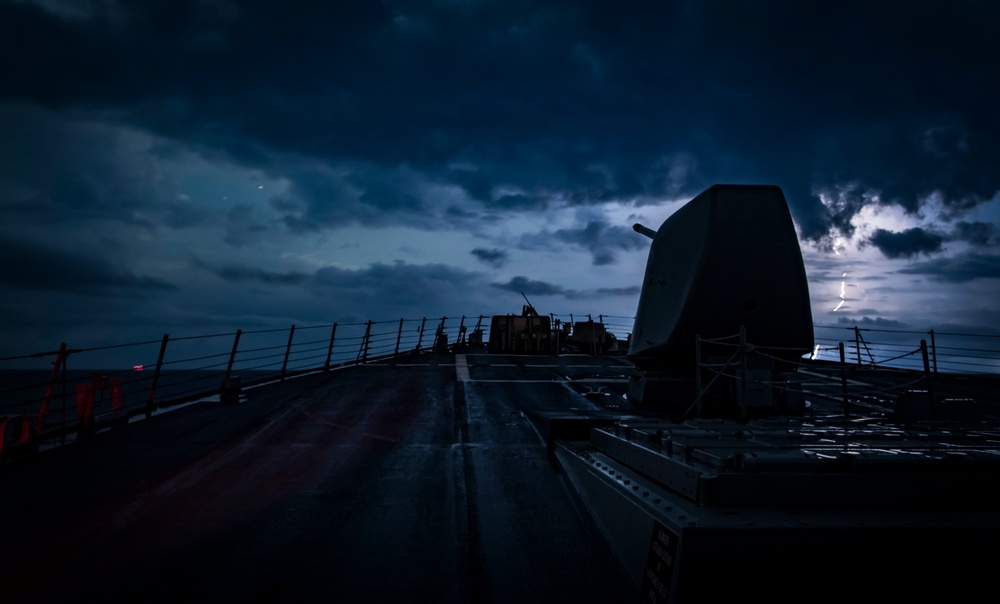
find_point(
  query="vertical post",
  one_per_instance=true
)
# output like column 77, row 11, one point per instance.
column 151, row 400
column 741, row 391
column 329, row 352
column 600, row 318
column 62, row 431
column 857, row 343
column 363, row 353
column 399, row 336
column 440, row 330
column 460, row 339
column 593, row 336
column 232, row 355
column 420, row 338
column 85, row 425
column 843, row 379
column 288, row 350
column 934, row 352
column 697, row 373
column 927, row 379
column 60, row 359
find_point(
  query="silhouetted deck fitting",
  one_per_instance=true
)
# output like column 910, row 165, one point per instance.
column 642, row 230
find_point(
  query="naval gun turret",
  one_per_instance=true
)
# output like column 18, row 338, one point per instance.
column 724, row 296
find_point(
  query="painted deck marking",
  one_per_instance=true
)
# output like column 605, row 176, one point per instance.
column 461, row 369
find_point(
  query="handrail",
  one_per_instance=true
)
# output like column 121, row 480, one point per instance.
column 175, row 370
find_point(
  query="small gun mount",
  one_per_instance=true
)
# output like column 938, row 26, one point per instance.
column 528, row 310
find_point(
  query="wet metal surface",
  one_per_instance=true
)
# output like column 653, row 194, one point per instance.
column 420, row 480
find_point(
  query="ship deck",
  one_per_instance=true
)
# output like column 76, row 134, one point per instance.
column 416, row 479
column 506, row 478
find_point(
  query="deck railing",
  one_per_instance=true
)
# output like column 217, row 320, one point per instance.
column 948, row 352
column 57, row 396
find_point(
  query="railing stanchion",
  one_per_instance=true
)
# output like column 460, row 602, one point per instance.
column 843, row 379
column 329, row 352
column 399, row 336
column 934, row 352
column 927, row 379
column 439, row 337
column 420, row 339
column 232, row 355
column 363, row 352
column 857, row 343
column 151, row 400
column 62, row 427
column 288, row 350
column 60, row 359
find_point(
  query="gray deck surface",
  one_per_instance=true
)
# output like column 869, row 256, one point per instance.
column 409, row 481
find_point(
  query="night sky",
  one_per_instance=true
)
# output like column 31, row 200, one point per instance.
column 194, row 166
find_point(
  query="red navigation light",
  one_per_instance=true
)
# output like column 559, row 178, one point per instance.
column 136, row 367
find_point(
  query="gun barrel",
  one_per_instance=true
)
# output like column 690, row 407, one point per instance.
column 648, row 232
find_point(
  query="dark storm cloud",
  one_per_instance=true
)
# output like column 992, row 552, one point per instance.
column 184, row 214
column 408, row 289
column 238, row 273
column 493, row 257
column 601, row 239
column 333, row 293
column 55, row 170
column 960, row 269
column 372, row 280
column 243, row 227
column 531, row 287
column 906, row 244
column 980, row 234
column 532, row 103
column 320, row 197
column 34, row 266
